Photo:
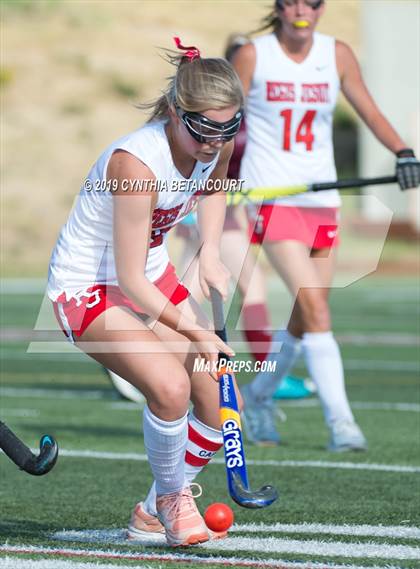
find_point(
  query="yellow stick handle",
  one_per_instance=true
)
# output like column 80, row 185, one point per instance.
column 262, row 194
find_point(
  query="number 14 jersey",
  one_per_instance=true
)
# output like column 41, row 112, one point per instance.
column 289, row 120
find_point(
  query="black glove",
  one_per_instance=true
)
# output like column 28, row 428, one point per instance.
column 407, row 169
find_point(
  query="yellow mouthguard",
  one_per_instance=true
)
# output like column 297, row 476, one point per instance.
column 301, row 24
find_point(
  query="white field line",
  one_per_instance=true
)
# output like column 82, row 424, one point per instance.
column 91, row 454
column 378, row 339
column 381, row 365
column 45, row 393
column 395, row 294
column 351, row 364
column 361, row 405
column 168, row 557
column 75, row 357
column 393, row 532
column 19, row 412
column 314, row 547
column 389, row 366
column 391, row 294
column 372, row 406
column 267, row 545
column 361, row 339
column 18, row 563
column 400, row 294
column 41, row 393
column 125, row 406
column 298, row 403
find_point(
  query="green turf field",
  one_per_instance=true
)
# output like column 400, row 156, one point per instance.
column 347, row 510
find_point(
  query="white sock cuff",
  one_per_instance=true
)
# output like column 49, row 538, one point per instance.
column 317, row 338
column 161, row 426
column 209, row 433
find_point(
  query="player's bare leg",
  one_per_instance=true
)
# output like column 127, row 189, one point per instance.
column 204, row 437
column 165, row 383
column 308, row 276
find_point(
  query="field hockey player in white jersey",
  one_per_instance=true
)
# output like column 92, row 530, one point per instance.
column 116, row 294
column 292, row 76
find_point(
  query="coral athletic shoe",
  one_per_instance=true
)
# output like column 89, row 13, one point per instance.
column 142, row 525
column 146, row 526
column 181, row 519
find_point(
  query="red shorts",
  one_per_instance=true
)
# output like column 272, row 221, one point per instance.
column 317, row 227
column 75, row 315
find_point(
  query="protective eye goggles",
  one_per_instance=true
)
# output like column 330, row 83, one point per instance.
column 314, row 4
column 205, row 130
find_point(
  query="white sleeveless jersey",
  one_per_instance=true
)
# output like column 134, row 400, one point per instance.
column 289, row 120
column 84, row 253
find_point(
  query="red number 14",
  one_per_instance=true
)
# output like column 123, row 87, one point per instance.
column 304, row 130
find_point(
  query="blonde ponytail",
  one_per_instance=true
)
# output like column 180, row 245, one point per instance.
column 199, row 84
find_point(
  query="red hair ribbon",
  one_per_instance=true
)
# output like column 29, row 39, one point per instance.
column 191, row 51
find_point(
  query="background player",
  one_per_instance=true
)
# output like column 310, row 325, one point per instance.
column 292, row 76
column 110, row 276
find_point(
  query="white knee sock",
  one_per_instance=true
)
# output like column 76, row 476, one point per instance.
column 165, row 444
column 265, row 383
column 203, row 443
column 323, row 360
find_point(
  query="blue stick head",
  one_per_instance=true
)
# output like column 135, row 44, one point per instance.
column 248, row 498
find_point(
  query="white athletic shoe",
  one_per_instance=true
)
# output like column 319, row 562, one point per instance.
column 259, row 419
column 346, row 436
column 124, row 388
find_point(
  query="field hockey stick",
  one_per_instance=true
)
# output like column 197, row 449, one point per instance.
column 261, row 194
column 23, row 457
column 236, row 471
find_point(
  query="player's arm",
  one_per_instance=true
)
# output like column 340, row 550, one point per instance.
column 132, row 222
column 132, row 217
column 244, row 62
column 357, row 93
column 211, row 217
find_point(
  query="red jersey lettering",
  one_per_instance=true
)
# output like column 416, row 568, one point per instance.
column 315, row 93
column 278, row 91
column 164, row 219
